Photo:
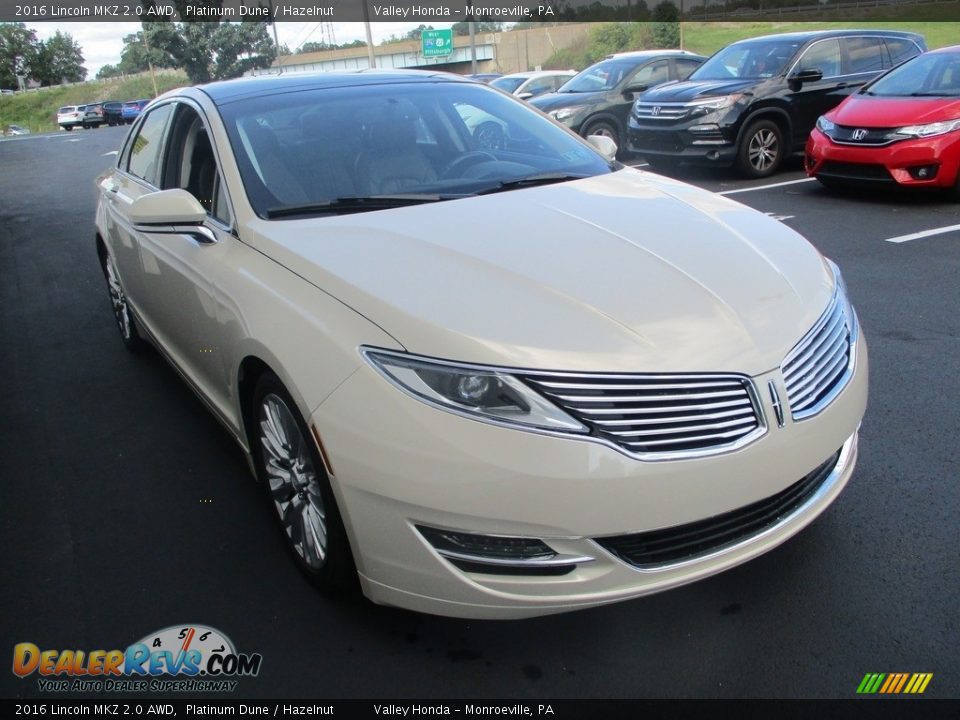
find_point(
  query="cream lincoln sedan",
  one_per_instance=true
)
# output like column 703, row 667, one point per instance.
column 486, row 382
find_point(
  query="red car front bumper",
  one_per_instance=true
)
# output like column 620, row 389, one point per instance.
column 923, row 162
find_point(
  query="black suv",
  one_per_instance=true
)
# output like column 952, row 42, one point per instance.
column 597, row 101
column 112, row 112
column 757, row 100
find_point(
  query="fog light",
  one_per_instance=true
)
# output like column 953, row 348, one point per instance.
column 923, row 172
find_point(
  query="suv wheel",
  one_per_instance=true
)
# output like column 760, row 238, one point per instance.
column 761, row 149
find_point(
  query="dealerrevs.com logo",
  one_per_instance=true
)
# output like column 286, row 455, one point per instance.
column 180, row 658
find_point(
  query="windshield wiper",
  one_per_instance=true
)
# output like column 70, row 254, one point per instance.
column 530, row 181
column 932, row 94
column 355, row 204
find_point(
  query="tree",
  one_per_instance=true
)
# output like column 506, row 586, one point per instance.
column 666, row 25
column 136, row 58
column 109, row 71
column 215, row 50
column 58, row 60
column 18, row 49
column 463, row 28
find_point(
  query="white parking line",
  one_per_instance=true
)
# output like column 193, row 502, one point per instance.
column 923, row 234
column 765, row 187
column 112, row 152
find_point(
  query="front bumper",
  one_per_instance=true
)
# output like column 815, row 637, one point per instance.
column 889, row 165
column 702, row 141
column 398, row 463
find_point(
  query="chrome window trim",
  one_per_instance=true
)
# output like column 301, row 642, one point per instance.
column 847, row 454
column 668, row 456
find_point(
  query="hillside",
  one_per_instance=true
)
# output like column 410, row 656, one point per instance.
column 37, row 109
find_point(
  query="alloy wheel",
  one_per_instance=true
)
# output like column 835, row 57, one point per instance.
column 293, row 481
column 763, row 150
column 118, row 300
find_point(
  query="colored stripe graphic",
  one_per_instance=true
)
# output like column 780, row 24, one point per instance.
column 894, row 683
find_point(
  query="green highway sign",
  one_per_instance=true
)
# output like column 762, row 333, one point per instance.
column 436, row 43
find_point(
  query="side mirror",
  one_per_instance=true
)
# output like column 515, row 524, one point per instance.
column 171, row 212
column 631, row 89
column 797, row 80
column 604, row 145
column 525, row 95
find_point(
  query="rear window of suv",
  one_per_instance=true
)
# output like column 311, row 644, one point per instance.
column 67, row 109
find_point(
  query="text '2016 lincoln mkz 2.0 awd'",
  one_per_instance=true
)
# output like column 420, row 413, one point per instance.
column 489, row 382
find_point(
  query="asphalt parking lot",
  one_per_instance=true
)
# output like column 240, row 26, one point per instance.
column 125, row 508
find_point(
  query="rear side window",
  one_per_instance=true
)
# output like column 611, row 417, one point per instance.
column 901, row 50
column 864, row 54
column 824, row 56
column 144, row 160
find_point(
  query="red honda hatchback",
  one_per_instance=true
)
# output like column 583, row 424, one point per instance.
column 903, row 129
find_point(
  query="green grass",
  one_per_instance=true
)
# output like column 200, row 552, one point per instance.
column 708, row 37
column 37, row 110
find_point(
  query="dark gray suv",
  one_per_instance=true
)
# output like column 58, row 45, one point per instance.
column 756, row 101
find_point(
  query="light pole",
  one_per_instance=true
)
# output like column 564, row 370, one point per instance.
column 366, row 26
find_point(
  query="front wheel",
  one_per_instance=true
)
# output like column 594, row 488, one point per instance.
column 290, row 467
column 121, row 309
column 68, row 128
column 761, row 149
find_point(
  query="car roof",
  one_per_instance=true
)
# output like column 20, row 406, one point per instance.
column 947, row 50
column 229, row 90
column 808, row 35
column 538, row 73
column 643, row 54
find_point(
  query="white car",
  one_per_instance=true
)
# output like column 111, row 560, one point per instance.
column 487, row 383
column 71, row 116
column 526, row 85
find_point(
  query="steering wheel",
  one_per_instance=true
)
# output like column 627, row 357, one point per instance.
column 462, row 161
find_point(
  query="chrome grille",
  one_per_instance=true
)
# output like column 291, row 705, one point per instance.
column 659, row 415
column 658, row 111
column 820, row 365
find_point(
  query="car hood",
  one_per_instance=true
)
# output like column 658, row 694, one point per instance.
column 555, row 101
column 624, row 272
column 865, row 111
column 688, row 90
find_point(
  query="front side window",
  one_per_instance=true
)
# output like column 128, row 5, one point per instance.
column 144, row 157
column 422, row 142
column 508, row 84
column 824, row 56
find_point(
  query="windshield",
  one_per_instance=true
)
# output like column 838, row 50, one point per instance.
column 406, row 141
column 604, row 75
column 509, row 84
column 933, row 75
column 748, row 61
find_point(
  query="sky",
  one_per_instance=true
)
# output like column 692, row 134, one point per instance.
column 102, row 43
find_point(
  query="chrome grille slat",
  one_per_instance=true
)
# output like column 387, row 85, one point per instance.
column 683, row 429
column 741, row 412
column 658, row 416
column 816, row 369
column 641, row 398
column 665, row 409
column 835, row 330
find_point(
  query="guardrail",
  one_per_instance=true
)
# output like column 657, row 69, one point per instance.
column 750, row 12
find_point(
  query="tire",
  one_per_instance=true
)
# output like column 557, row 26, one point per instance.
column 607, row 129
column 761, row 149
column 68, row 128
column 289, row 466
column 121, row 309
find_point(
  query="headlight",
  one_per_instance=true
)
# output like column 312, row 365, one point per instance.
column 567, row 112
column 925, row 131
column 476, row 391
column 825, row 125
column 708, row 105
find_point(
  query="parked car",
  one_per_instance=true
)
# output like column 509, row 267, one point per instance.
column 526, row 85
column 903, row 129
column 484, row 77
column 70, row 116
column 131, row 109
column 15, row 130
column 597, row 101
column 4, row 91
column 113, row 113
column 603, row 384
column 93, row 116
column 755, row 102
